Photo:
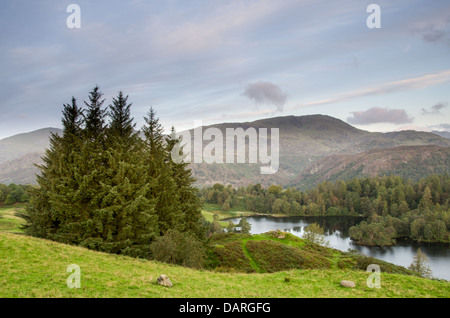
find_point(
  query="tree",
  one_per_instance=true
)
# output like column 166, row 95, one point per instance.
column 315, row 234
column 72, row 120
column 244, row 225
column 189, row 201
column 101, row 186
column 419, row 265
column 95, row 115
column 121, row 123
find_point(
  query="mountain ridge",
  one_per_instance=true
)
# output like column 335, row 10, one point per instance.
column 303, row 141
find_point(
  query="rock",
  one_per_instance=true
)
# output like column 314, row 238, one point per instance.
column 347, row 283
column 164, row 280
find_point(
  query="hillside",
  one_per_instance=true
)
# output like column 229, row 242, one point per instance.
column 19, row 145
column 303, row 141
column 25, row 273
column 409, row 162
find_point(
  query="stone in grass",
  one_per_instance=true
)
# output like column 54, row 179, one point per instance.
column 164, row 280
column 347, row 283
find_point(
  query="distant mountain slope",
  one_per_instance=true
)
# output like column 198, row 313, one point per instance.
column 445, row 134
column 21, row 144
column 20, row 170
column 303, row 141
column 410, row 162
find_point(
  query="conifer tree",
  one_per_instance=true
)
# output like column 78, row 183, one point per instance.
column 190, row 203
column 160, row 176
column 50, row 208
column 419, row 265
column 121, row 124
column 101, row 186
column 95, row 114
column 125, row 190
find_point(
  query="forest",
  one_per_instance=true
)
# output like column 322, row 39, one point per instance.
column 391, row 206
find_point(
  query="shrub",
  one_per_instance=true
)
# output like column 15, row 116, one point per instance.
column 179, row 249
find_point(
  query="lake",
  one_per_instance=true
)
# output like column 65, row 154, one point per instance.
column 336, row 233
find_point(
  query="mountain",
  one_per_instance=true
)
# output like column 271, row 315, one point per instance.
column 445, row 134
column 22, row 144
column 409, row 162
column 19, row 153
column 303, row 140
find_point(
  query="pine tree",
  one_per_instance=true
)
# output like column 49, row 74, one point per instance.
column 51, row 207
column 190, row 203
column 121, row 123
column 419, row 265
column 95, row 115
column 160, row 176
column 103, row 187
column 125, row 191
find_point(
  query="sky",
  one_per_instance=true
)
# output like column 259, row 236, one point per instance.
column 228, row 61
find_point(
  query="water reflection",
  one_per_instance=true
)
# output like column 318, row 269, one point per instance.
column 336, row 233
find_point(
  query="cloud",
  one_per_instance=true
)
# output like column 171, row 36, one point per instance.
column 417, row 82
column 444, row 126
column 266, row 93
column 435, row 109
column 379, row 115
column 432, row 34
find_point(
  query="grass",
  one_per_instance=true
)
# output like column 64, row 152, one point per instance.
column 34, row 267
column 9, row 222
column 37, row 268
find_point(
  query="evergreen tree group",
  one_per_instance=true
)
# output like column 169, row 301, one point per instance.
column 104, row 187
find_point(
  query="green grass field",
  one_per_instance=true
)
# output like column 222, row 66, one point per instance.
column 9, row 222
column 37, row 268
column 32, row 267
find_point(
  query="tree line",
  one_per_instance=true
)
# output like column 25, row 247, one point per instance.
column 13, row 193
column 109, row 187
column 393, row 207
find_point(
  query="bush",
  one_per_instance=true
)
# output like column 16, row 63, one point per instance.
column 273, row 256
column 179, row 249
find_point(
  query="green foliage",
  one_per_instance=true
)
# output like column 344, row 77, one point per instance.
column 419, row 265
column 12, row 194
column 244, row 225
column 393, row 207
column 273, row 256
column 101, row 186
column 179, row 249
column 315, row 233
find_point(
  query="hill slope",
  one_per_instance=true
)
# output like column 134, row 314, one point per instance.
column 18, row 145
column 303, row 141
column 26, row 273
column 409, row 162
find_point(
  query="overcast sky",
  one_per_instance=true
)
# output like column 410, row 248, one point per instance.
column 229, row 61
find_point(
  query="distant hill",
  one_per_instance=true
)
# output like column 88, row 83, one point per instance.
column 445, row 134
column 303, row 141
column 18, row 145
column 409, row 162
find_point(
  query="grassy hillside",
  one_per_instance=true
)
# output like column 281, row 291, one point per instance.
column 9, row 222
column 271, row 265
column 38, row 268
